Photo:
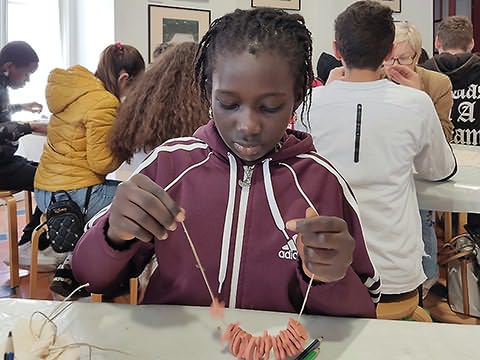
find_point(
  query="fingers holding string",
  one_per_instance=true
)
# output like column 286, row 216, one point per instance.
column 141, row 209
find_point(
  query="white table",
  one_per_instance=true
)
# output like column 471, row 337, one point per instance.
column 459, row 194
column 176, row 332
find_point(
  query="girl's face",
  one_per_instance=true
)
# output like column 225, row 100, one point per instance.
column 252, row 100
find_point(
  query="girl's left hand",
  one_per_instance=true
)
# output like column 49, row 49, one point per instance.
column 324, row 245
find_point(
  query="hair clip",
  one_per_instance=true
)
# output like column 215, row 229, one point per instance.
column 119, row 46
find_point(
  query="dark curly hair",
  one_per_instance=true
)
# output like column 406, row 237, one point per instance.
column 163, row 104
column 255, row 31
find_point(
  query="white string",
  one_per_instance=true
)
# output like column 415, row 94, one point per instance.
column 198, row 261
column 306, row 297
column 60, row 308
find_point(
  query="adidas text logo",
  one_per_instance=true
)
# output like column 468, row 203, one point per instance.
column 289, row 250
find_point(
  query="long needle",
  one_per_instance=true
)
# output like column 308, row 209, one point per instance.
column 198, row 261
column 306, row 297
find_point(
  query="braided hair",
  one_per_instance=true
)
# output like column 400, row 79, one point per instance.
column 258, row 30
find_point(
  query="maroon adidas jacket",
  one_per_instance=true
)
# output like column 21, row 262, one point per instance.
column 236, row 218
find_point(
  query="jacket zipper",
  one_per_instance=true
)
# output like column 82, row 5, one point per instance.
column 245, row 184
column 247, row 176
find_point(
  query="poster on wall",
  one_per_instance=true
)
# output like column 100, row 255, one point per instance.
column 167, row 24
column 395, row 5
column 279, row 4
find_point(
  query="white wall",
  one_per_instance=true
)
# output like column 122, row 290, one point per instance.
column 91, row 30
column 131, row 18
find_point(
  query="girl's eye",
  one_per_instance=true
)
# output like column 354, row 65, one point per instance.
column 227, row 106
column 269, row 109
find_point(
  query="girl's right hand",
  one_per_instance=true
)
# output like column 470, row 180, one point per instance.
column 142, row 210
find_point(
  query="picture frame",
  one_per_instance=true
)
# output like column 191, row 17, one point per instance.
column 395, row 5
column 278, row 4
column 170, row 24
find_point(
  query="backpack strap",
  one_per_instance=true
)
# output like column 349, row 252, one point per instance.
column 53, row 198
column 87, row 200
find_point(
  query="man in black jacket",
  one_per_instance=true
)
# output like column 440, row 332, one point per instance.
column 17, row 62
column 454, row 42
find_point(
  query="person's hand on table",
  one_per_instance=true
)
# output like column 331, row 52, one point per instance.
column 324, row 244
column 39, row 127
column 32, row 107
column 142, row 210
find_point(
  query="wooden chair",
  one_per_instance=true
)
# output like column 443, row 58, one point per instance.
column 133, row 294
column 7, row 196
column 406, row 308
column 33, row 279
column 448, row 226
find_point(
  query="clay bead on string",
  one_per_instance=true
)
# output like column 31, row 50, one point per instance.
column 243, row 345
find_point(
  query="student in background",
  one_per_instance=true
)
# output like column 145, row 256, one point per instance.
column 402, row 68
column 76, row 156
column 243, row 183
column 164, row 104
column 17, row 62
column 454, row 42
column 379, row 132
column 326, row 62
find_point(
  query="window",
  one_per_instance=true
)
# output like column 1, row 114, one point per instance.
column 38, row 23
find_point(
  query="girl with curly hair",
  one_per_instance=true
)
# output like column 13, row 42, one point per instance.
column 164, row 104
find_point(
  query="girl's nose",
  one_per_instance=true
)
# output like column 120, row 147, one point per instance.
column 249, row 123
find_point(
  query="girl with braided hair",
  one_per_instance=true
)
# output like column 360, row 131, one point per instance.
column 243, row 186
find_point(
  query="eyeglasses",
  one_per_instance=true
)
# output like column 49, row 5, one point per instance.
column 404, row 60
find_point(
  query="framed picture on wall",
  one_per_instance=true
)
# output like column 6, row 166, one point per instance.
column 167, row 24
column 395, row 5
column 279, row 4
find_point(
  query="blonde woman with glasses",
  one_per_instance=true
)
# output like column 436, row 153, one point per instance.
column 402, row 68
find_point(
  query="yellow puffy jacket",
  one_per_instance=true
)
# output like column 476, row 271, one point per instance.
column 76, row 154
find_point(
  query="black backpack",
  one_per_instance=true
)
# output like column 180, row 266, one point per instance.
column 65, row 221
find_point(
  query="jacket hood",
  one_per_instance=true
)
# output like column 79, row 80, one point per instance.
column 294, row 143
column 456, row 66
column 66, row 86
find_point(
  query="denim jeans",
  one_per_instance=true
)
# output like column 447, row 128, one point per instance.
column 430, row 266
column 102, row 195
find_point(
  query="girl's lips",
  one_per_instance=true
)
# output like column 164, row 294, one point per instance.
column 247, row 151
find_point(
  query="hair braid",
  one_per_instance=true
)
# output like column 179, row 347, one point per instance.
column 257, row 30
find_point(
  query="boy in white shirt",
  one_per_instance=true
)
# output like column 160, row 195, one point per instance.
column 376, row 132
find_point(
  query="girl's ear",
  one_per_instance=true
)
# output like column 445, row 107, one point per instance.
column 123, row 83
column 297, row 104
column 123, row 77
column 336, row 51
